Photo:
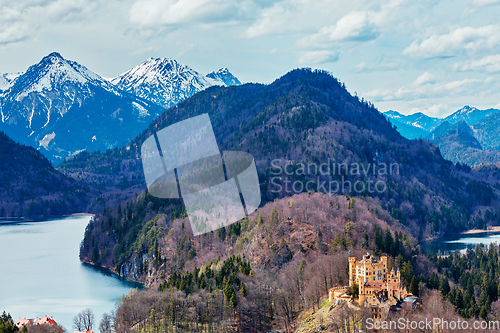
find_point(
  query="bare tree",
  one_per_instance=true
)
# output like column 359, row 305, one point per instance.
column 106, row 324
column 346, row 319
column 88, row 319
column 78, row 322
column 84, row 321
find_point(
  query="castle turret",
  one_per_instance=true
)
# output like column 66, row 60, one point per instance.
column 352, row 270
column 362, row 292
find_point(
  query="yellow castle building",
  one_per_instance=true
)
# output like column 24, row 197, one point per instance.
column 379, row 288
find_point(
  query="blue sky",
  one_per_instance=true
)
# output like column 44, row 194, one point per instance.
column 429, row 56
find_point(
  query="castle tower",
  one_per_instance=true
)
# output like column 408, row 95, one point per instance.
column 362, row 292
column 352, row 270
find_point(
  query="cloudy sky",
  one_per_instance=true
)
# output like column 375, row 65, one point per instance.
column 405, row 55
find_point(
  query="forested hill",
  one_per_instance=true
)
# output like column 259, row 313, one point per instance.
column 298, row 240
column 30, row 186
column 309, row 117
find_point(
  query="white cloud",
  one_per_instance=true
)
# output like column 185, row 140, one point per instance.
column 456, row 42
column 485, row 2
column 175, row 12
column 23, row 19
column 355, row 26
column 436, row 110
column 274, row 20
column 424, row 79
column 360, row 67
column 490, row 64
column 14, row 32
column 384, row 65
column 318, row 57
column 425, row 86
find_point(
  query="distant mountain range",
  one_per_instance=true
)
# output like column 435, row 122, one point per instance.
column 61, row 108
column 166, row 82
column 468, row 136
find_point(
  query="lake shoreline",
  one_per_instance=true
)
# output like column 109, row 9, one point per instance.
column 108, row 272
column 42, row 219
column 63, row 285
column 478, row 231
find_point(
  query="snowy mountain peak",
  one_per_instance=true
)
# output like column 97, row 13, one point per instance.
column 166, row 82
column 225, row 76
column 470, row 115
column 393, row 114
column 54, row 55
column 54, row 72
column 466, row 109
column 61, row 107
column 154, row 71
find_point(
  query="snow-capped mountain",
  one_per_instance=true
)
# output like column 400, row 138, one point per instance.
column 468, row 135
column 414, row 126
column 166, row 82
column 61, row 107
column 470, row 115
column 394, row 114
column 225, row 76
column 418, row 120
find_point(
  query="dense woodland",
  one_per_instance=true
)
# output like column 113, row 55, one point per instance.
column 262, row 272
column 30, row 186
column 470, row 281
column 239, row 294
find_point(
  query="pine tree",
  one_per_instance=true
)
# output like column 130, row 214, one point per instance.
column 483, row 313
column 388, row 241
column 233, row 301
column 366, row 240
column 7, row 324
column 222, row 233
column 228, row 291
column 414, row 286
column 243, row 290
column 95, row 254
column 444, row 286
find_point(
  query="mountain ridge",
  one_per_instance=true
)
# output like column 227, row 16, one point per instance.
column 31, row 187
column 308, row 117
column 166, row 82
column 61, row 107
column 483, row 127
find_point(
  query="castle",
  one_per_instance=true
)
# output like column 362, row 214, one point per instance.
column 379, row 288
